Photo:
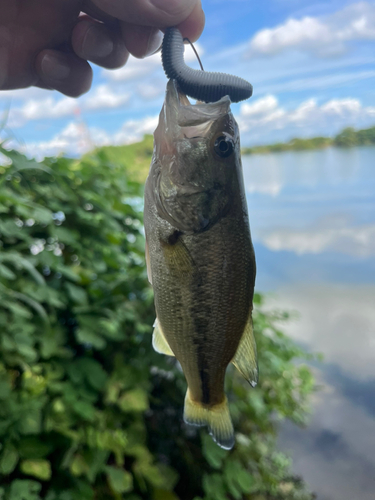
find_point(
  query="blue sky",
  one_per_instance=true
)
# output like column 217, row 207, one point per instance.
column 311, row 64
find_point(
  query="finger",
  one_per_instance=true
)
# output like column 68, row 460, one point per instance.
column 193, row 25
column 95, row 42
column 158, row 13
column 141, row 41
column 42, row 85
column 93, row 11
column 66, row 73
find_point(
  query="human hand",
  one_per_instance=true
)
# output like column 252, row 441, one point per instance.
column 48, row 43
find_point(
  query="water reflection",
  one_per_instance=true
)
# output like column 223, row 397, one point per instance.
column 313, row 224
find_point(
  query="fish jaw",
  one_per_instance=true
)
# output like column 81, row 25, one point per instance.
column 191, row 182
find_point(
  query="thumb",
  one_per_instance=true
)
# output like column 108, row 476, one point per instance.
column 159, row 13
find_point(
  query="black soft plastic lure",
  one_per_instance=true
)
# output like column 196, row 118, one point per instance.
column 202, row 85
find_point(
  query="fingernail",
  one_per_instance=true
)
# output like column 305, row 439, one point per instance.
column 54, row 67
column 155, row 40
column 97, row 43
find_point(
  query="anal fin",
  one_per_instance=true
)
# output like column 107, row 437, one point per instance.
column 159, row 342
column 245, row 359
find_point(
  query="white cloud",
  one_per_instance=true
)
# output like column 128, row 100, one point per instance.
column 76, row 138
column 45, row 108
column 150, row 90
column 134, row 130
column 134, row 68
column 260, row 107
column 259, row 119
column 333, row 234
column 104, row 97
column 324, row 36
column 321, row 82
column 340, row 437
column 101, row 97
column 336, row 320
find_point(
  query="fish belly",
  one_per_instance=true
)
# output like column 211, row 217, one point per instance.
column 203, row 286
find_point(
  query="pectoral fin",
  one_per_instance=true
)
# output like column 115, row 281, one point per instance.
column 179, row 261
column 245, row 359
column 159, row 342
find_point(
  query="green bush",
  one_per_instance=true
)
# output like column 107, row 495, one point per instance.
column 87, row 409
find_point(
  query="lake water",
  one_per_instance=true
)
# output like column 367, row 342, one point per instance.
column 312, row 217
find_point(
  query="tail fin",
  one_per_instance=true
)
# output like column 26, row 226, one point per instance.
column 217, row 419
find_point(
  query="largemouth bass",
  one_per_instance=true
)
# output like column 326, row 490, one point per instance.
column 199, row 254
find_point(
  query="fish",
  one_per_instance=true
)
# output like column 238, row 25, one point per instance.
column 199, row 254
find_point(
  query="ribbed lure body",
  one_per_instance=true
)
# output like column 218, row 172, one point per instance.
column 201, row 85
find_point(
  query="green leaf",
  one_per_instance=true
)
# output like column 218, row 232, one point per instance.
column 79, row 466
column 212, row 452
column 32, row 447
column 238, row 479
column 42, row 215
column 168, row 475
column 245, row 480
column 85, row 336
column 21, row 262
column 38, row 468
column 76, row 293
column 17, row 309
column 24, row 490
column 84, row 409
column 5, row 389
column 134, row 401
column 97, row 463
column 94, row 373
column 31, row 422
column 6, row 273
column 213, row 486
column 32, row 303
column 8, row 460
column 120, row 480
column 160, row 494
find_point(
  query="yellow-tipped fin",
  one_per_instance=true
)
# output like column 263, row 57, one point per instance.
column 159, row 342
column 217, row 419
column 245, row 359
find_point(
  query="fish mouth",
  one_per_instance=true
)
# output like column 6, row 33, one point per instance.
column 180, row 120
column 185, row 114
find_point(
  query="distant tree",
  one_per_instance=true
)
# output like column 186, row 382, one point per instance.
column 346, row 138
column 366, row 136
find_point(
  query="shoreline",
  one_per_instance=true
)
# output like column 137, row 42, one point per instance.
column 349, row 137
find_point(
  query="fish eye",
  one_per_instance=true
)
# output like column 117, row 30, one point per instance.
column 223, row 146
